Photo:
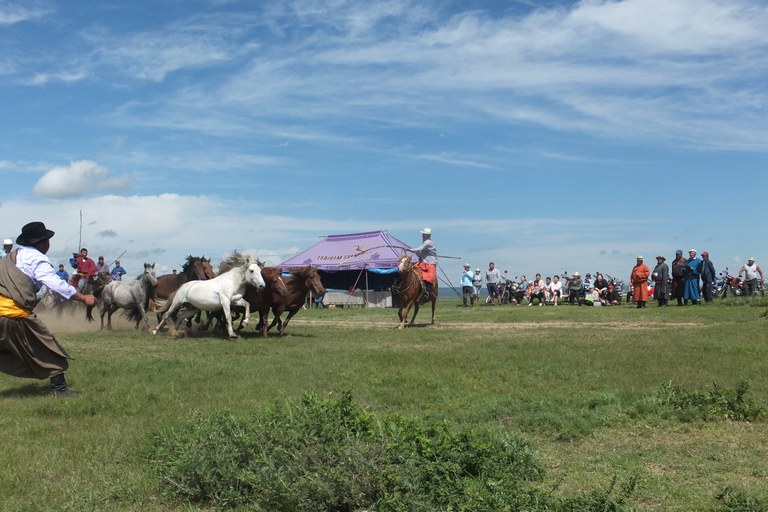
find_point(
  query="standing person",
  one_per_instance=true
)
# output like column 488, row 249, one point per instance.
column 467, row 296
column 708, row 277
column 427, row 265
column 27, row 347
column 639, row 280
column 692, row 274
column 492, row 277
column 477, row 283
column 660, row 278
column 751, row 270
column 678, row 277
column 84, row 265
column 7, row 248
column 118, row 272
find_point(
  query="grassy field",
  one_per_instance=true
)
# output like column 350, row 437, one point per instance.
column 583, row 385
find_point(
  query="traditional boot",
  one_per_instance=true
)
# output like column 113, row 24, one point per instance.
column 59, row 386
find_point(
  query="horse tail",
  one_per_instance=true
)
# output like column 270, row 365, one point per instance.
column 161, row 306
column 134, row 314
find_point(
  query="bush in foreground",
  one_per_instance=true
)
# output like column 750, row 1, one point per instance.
column 324, row 455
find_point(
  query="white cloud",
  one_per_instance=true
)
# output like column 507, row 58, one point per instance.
column 11, row 13
column 79, row 179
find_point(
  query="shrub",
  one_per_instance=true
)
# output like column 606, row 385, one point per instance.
column 711, row 404
column 329, row 455
column 732, row 500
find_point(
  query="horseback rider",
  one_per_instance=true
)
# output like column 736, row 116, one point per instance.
column 427, row 265
column 85, row 266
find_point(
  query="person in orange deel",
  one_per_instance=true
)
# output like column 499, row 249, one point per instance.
column 639, row 280
column 427, row 264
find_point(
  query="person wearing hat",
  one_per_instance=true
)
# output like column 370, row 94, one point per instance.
column 576, row 289
column 639, row 280
column 7, row 248
column 427, row 265
column 27, row 347
column 708, row 277
column 692, row 291
column 660, row 278
column 678, row 277
column 467, row 296
column 751, row 270
column 477, row 284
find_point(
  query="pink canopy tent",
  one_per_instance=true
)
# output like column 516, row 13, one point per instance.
column 356, row 260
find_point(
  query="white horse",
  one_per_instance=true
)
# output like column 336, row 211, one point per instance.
column 129, row 295
column 219, row 293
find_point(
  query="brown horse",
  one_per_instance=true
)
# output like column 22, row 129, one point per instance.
column 409, row 289
column 302, row 281
column 262, row 300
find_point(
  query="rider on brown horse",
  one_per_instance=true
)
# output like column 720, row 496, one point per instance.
column 427, row 265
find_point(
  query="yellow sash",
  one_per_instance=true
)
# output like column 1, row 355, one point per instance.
column 10, row 309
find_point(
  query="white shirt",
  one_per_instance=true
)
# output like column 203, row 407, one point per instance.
column 40, row 269
column 555, row 286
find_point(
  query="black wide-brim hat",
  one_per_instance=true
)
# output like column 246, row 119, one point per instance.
column 33, row 233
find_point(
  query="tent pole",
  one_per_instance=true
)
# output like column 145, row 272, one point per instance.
column 366, row 289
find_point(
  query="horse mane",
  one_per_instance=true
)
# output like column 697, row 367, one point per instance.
column 236, row 259
column 188, row 264
column 303, row 271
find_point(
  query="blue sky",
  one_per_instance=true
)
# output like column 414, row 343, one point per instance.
column 546, row 136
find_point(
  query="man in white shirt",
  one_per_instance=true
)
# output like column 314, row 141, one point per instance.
column 27, row 347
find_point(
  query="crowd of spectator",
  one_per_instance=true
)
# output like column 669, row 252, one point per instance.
column 691, row 280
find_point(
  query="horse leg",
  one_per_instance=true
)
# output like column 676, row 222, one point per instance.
column 263, row 319
column 165, row 318
column 404, row 310
column 225, row 305
column 434, row 303
column 415, row 312
column 104, row 308
column 112, row 309
column 284, row 325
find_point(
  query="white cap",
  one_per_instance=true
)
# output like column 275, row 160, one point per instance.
column 691, row 250
column 751, row 258
column 426, row 231
column 7, row 241
column 477, row 270
column 639, row 257
column 466, row 264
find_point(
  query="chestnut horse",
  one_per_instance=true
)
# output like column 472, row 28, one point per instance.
column 409, row 289
column 302, row 281
column 262, row 300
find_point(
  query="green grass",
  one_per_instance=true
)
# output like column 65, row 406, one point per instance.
column 581, row 384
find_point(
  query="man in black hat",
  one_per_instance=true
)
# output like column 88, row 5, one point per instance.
column 27, row 347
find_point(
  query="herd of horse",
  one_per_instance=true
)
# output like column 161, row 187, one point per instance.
column 242, row 285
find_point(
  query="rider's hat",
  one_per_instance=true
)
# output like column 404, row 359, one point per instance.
column 751, row 258
column 426, row 231
column 7, row 241
column 576, row 274
column 33, row 233
column 466, row 265
column 660, row 257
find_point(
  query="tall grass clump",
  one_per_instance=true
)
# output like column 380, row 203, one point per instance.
column 734, row 500
column 710, row 404
column 326, row 455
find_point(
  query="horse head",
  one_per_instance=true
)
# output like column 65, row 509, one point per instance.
column 149, row 273
column 207, row 268
column 273, row 278
column 404, row 264
column 253, row 275
column 311, row 278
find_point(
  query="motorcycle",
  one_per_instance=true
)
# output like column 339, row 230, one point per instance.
column 728, row 283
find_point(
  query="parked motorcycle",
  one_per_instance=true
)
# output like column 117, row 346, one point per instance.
column 728, row 283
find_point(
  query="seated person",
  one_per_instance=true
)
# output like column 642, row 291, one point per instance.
column 537, row 291
column 592, row 297
column 575, row 290
column 555, row 289
column 601, row 285
column 521, row 292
